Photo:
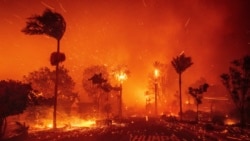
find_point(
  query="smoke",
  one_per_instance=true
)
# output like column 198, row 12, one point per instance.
column 134, row 33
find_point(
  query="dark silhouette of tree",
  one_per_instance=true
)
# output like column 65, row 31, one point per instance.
column 237, row 82
column 14, row 99
column 95, row 77
column 52, row 24
column 42, row 81
column 89, row 73
column 98, row 79
column 180, row 64
column 102, row 83
column 197, row 94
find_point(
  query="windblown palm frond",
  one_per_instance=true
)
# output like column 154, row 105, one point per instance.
column 49, row 23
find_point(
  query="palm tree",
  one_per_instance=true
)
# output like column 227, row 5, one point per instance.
column 52, row 24
column 180, row 64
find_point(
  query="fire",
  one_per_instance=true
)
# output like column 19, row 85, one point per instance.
column 68, row 123
column 187, row 102
column 156, row 73
column 230, row 121
column 50, row 125
column 173, row 114
column 82, row 123
column 121, row 76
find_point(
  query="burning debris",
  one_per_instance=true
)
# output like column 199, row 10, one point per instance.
column 66, row 124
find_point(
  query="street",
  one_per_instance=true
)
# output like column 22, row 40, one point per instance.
column 136, row 129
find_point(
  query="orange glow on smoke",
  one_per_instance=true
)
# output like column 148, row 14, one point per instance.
column 135, row 33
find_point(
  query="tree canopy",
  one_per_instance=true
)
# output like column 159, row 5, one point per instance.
column 43, row 79
column 92, row 76
column 14, row 97
column 237, row 82
column 181, row 63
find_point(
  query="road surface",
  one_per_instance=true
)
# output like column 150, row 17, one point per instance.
column 135, row 130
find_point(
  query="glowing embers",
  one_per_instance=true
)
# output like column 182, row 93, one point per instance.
column 121, row 76
column 67, row 123
column 82, row 123
column 230, row 121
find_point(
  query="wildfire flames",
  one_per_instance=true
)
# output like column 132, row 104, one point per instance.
column 67, row 124
column 230, row 121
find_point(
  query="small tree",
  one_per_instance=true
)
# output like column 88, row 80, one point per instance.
column 180, row 64
column 93, row 76
column 197, row 94
column 42, row 81
column 237, row 82
column 101, row 83
column 14, row 98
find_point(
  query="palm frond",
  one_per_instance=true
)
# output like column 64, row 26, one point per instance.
column 181, row 63
column 49, row 23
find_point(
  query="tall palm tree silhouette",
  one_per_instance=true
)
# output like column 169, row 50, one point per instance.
column 180, row 64
column 52, row 24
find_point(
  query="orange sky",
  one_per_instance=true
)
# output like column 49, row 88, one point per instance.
column 131, row 32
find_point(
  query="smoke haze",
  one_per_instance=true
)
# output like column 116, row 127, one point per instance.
column 134, row 33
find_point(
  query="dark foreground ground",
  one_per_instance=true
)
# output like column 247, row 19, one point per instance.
column 140, row 130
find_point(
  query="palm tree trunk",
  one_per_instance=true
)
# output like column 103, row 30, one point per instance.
column 156, row 94
column 56, row 85
column 180, row 97
column 120, row 103
column 197, row 112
